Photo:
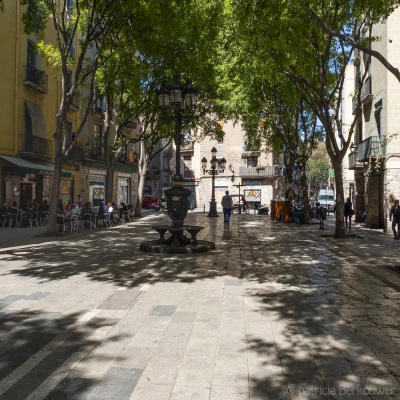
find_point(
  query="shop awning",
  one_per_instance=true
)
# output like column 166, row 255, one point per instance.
column 30, row 167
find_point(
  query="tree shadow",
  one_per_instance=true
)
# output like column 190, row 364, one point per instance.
column 37, row 349
column 313, row 326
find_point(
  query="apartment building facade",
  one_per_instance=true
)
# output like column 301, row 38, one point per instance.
column 375, row 157
column 250, row 171
column 30, row 99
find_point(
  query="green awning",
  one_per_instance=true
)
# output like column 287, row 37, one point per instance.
column 30, row 167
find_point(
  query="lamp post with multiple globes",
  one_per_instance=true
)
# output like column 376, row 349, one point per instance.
column 215, row 170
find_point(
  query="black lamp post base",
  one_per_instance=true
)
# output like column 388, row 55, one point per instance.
column 213, row 209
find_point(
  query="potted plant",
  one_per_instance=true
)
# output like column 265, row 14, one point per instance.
column 260, row 167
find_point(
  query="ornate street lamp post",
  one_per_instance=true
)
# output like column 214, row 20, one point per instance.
column 213, row 171
column 182, row 100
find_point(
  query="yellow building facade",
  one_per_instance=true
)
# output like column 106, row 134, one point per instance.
column 30, row 97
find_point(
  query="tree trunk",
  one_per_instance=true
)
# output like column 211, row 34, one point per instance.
column 54, row 195
column 138, row 208
column 109, row 185
column 306, row 201
column 340, row 231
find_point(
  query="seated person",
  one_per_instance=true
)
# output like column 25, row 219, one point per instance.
column 76, row 210
column 4, row 207
column 87, row 213
column 122, row 209
column 103, row 210
column 87, row 209
column 60, row 207
column 44, row 207
column 13, row 209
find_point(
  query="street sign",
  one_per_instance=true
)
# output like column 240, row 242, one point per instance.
column 256, row 183
column 189, row 183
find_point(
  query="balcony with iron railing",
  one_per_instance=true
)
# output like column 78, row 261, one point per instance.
column 128, row 157
column 354, row 105
column 36, row 146
column 188, row 146
column 74, row 106
column 366, row 92
column 36, row 79
column 96, row 152
column 371, row 147
column 249, row 147
column 76, row 154
column 261, row 172
column 98, row 106
column 354, row 163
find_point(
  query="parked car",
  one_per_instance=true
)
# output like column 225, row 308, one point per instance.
column 151, row 201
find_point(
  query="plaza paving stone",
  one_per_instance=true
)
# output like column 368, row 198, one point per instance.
column 277, row 311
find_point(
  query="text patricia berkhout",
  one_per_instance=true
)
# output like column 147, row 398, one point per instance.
column 334, row 391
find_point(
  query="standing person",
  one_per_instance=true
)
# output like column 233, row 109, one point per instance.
column 244, row 201
column 348, row 212
column 395, row 219
column 80, row 201
column 227, row 204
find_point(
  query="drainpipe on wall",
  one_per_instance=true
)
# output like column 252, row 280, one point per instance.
column 16, row 85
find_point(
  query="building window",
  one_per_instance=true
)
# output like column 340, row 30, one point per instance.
column 187, row 166
column 187, row 160
column 97, row 146
column 32, row 55
column 99, row 106
column 69, row 80
column 252, row 161
column 359, row 132
column 378, row 117
column 187, row 136
column 219, row 136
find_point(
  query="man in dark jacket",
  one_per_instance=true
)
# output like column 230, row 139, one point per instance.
column 348, row 212
column 227, row 204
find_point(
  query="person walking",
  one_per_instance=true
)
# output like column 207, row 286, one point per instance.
column 395, row 219
column 348, row 212
column 227, row 204
column 244, row 202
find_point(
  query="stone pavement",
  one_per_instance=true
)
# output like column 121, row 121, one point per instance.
column 277, row 311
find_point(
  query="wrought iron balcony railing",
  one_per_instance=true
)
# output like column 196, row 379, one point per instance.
column 252, row 172
column 188, row 146
column 366, row 93
column 354, row 163
column 371, row 147
column 96, row 152
column 248, row 147
column 36, row 145
column 36, row 78
column 76, row 154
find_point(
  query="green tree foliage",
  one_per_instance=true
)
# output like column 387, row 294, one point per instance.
column 357, row 30
column 68, row 21
column 318, row 166
column 280, row 38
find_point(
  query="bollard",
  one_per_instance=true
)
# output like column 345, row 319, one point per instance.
column 204, row 208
